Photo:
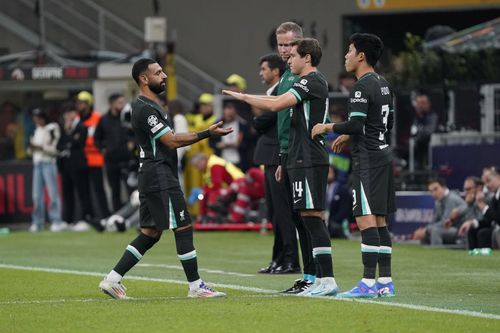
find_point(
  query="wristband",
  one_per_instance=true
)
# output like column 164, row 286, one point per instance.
column 203, row 134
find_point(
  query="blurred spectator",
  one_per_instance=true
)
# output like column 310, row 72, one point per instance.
column 424, row 124
column 72, row 164
column 486, row 174
column 218, row 175
column 480, row 231
column 232, row 146
column 444, row 228
column 340, row 161
column 7, row 142
column 43, row 147
column 25, row 130
column 241, row 196
column 176, row 111
column 115, row 141
column 193, row 179
column 95, row 160
column 339, row 206
column 236, row 82
column 346, row 82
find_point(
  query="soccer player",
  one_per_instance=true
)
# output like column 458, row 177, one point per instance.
column 162, row 204
column 307, row 162
column 286, row 33
column 370, row 117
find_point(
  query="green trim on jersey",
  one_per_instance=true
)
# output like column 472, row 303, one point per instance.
column 163, row 131
column 296, row 94
column 357, row 114
column 171, row 213
column 152, row 140
column 309, row 201
column 307, row 112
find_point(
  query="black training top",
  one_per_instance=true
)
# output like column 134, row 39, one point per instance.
column 311, row 91
column 158, row 163
column 371, row 101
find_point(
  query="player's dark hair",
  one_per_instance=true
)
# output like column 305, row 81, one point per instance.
column 439, row 181
column 140, row 66
column 371, row 45
column 290, row 26
column 114, row 97
column 309, row 46
column 274, row 61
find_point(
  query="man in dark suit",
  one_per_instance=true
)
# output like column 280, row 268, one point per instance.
column 72, row 162
column 285, row 258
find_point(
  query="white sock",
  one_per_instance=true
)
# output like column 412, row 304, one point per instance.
column 114, row 277
column 329, row 280
column 384, row 280
column 369, row 282
column 195, row 284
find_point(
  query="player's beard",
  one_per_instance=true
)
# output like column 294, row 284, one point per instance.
column 157, row 88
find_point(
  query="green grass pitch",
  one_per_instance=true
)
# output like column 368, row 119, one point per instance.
column 48, row 283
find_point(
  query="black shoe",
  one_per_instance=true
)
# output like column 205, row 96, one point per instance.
column 269, row 269
column 286, row 269
column 299, row 286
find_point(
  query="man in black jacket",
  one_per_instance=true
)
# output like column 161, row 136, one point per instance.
column 115, row 141
column 479, row 233
column 72, row 161
column 285, row 251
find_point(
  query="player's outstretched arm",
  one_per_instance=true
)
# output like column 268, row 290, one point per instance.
column 174, row 141
column 264, row 102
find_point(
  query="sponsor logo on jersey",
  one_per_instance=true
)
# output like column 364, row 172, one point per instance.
column 359, row 100
column 303, row 81
column 357, row 94
column 301, row 86
column 152, row 120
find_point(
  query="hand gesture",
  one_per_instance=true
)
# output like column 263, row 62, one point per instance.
column 339, row 143
column 319, row 129
column 464, row 229
column 217, row 130
column 233, row 94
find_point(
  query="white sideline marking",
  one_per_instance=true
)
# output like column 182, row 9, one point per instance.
column 213, row 271
column 131, row 299
column 244, row 288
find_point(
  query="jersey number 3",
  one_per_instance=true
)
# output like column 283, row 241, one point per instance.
column 385, row 115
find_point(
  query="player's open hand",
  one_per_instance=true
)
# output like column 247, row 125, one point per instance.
column 234, row 94
column 339, row 143
column 318, row 129
column 217, row 130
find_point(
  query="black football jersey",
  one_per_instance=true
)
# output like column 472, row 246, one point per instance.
column 371, row 97
column 311, row 91
column 158, row 163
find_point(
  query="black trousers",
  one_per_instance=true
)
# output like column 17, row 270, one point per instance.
column 97, row 194
column 480, row 237
column 115, row 172
column 285, row 248
column 75, row 181
column 304, row 236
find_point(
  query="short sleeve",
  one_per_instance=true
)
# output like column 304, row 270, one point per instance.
column 359, row 99
column 304, row 89
column 153, row 123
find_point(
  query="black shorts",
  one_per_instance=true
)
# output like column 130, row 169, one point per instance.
column 163, row 209
column 309, row 187
column 373, row 191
